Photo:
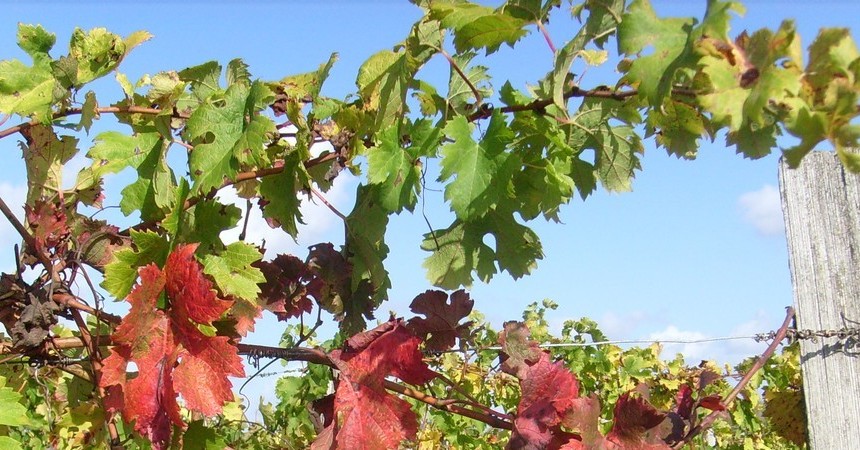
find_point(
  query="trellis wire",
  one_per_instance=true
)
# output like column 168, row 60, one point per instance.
column 842, row 334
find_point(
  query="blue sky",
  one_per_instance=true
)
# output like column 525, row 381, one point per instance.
column 696, row 250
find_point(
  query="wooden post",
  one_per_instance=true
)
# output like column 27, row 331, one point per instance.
column 821, row 205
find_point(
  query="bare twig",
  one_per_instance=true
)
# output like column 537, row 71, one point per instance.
column 96, row 364
column 475, row 92
column 244, row 232
column 322, row 198
column 540, row 104
column 71, row 302
column 305, row 336
column 546, row 36
column 28, row 238
column 104, row 110
column 759, row 363
column 449, row 405
column 317, row 356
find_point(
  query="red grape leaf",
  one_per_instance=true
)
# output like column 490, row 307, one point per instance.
column 389, row 349
column 371, row 418
column 549, row 401
column 519, row 351
column 189, row 291
column 285, row 291
column 171, row 354
column 712, row 402
column 634, row 416
column 366, row 415
column 442, row 320
column 584, row 418
column 706, row 377
column 332, row 276
column 144, row 338
column 684, row 402
column 548, row 390
column 49, row 228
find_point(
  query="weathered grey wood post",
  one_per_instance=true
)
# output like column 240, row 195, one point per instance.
column 821, row 205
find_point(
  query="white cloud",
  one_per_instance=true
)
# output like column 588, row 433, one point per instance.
column 731, row 351
column 693, row 352
column 621, row 326
column 321, row 224
column 762, row 209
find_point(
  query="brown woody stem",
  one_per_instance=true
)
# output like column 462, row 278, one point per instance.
column 316, row 356
column 475, row 92
column 104, row 110
column 759, row 363
column 546, row 37
column 96, row 364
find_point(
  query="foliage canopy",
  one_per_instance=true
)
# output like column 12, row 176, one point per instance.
column 505, row 157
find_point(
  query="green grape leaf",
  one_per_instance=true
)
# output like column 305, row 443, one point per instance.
column 395, row 166
column 205, row 79
column 669, row 42
column 44, row 155
column 250, row 147
column 560, row 78
column 617, row 159
column 602, row 20
column 678, row 127
column 430, row 102
column 725, row 102
column 28, row 91
column 174, row 222
column 88, row 111
column 544, row 183
column 237, row 73
column 366, row 250
column 125, row 85
column 460, row 250
column 232, row 270
column 382, row 83
column 114, row 151
column 154, row 189
column 98, row 51
column 200, row 437
column 476, row 26
column 776, row 81
column 280, row 201
column 35, row 40
column 784, row 409
column 460, row 96
column 754, row 141
column 205, row 222
column 7, row 443
column 542, row 188
column 457, row 251
column 529, row 10
column 220, row 134
column 517, row 247
column 12, row 412
column 811, row 127
column 750, row 84
column 121, row 273
column 482, row 170
column 616, row 146
column 135, row 39
column 306, row 85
